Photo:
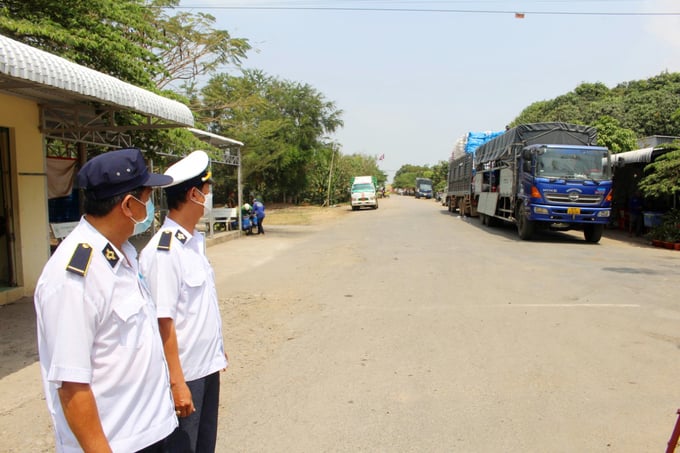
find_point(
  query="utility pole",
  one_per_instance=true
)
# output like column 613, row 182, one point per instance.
column 330, row 176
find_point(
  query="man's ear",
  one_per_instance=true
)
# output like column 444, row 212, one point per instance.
column 125, row 205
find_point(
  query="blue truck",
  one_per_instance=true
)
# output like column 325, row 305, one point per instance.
column 459, row 195
column 545, row 175
column 423, row 188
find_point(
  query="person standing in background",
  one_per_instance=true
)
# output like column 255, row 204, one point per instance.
column 182, row 283
column 635, row 207
column 258, row 208
column 101, row 358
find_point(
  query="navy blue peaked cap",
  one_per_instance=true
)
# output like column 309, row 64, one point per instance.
column 117, row 172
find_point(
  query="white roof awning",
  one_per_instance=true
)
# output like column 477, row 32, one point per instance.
column 58, row 84
column 224, row 143
column 631, row 157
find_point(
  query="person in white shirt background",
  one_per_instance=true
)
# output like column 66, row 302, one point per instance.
column 182, row 284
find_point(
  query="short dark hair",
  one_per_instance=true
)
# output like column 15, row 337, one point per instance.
column 101, row 207
column 175, row 196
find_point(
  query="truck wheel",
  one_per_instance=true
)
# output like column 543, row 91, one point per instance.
column 593, row 233
column 525, row 227
column 354, row 208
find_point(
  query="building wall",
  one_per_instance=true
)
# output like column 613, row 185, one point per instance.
column 29, row 192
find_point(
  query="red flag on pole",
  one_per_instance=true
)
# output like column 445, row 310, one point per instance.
column 382, row 156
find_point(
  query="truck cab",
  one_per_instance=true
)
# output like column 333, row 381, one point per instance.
column 423, row 188
column 364, row 192
column 567, row 186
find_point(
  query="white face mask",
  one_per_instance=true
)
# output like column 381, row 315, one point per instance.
column 207, row 202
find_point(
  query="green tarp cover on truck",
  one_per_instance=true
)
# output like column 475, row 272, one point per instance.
column 536, row 134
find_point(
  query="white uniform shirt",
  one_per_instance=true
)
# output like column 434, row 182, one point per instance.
column 182, row 284
column 100, row 328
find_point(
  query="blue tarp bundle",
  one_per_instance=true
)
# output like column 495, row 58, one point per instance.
column 476, row 139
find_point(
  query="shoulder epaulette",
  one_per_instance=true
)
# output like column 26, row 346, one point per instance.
column 80, row 261
column 165, row 240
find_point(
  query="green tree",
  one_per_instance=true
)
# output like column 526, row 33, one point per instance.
column 192, row 48
column 283, row 124
column 662, row 177
column 613, row 136
column 112, row 36
column 646, row 107
column 440, row 174
column 405, row 177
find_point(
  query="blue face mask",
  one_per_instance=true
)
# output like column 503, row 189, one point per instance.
column 143, row 225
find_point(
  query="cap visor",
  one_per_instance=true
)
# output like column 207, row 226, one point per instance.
column 156, row 180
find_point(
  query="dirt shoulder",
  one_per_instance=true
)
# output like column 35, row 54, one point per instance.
column 303, row 215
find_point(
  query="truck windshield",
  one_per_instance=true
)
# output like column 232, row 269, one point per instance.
column 424, row 186
column 363, row 188
column 573, row 163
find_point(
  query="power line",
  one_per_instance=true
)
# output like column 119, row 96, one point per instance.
column 427, row 10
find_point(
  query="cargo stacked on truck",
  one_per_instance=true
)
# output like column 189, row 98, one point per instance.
column 423, row 188
column 459, row 194
column 545, row 175
column 364, row 192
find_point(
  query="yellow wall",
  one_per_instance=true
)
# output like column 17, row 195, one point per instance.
column 21, row 117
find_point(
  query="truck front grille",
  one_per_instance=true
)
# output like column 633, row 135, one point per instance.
column 565, row 198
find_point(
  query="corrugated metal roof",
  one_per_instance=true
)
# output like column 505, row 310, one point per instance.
column 33, row 73
column 631, row 157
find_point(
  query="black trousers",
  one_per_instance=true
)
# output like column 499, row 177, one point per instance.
column 260, row 229
column 197, row 433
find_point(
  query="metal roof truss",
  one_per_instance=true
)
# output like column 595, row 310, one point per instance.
column 95, row 125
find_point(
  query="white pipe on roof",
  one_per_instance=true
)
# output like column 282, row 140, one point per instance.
column 218, row 138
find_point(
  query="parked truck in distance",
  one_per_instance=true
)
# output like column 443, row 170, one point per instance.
column 423, row 188
column 364, row 192
column 545, row 175
column 459, row 193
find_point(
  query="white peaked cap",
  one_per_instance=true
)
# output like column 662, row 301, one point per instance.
column 193, row 166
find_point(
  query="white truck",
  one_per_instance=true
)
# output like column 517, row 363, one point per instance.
column 364, row 192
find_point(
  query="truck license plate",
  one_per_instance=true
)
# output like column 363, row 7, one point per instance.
column 573, row 211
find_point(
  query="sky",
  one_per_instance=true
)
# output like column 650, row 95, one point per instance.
column 412, row 77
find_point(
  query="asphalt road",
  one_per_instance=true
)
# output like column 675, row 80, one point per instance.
column 408, row 329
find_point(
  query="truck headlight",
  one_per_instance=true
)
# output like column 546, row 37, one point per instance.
column 539, row 210
column 604, row 213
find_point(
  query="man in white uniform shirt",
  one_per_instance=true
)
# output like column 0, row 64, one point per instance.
column 104, row 374
column 182, row 283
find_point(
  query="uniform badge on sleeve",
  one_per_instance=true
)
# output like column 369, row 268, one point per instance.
column 80, row 260
column 110, row 255
column 165, row 240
